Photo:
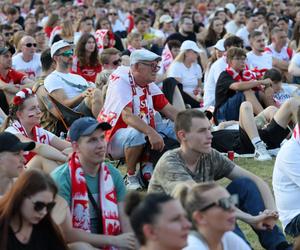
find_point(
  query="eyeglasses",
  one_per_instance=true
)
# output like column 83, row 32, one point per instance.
column 154, row 67
column 225, row 203
column 239, row 58
column 117, row 62
column 29, row 45
column 8, row 33
column 38, row 206
column 66, row 53
column 112, row 14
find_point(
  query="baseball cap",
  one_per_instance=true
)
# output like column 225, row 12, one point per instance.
column 4, row 50
column 59, row 45
column 188, row 44
column 143, row 55
column 220, row 45
column 11, row 143
column 231, row 7
column 86, row 126
column 165, row 19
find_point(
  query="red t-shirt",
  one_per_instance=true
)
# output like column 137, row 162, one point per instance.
column 89, row 73
column 159, row 102
column 13, row 76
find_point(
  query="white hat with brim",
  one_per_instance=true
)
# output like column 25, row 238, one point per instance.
column 190, row 45
column 165, row 19
column 140, row 55
column 220, row 45
column 59, row 45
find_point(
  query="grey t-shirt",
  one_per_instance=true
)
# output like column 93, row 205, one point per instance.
column 171, row 169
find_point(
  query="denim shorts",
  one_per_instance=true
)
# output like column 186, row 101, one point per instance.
column 131, row 137
column 230, row 110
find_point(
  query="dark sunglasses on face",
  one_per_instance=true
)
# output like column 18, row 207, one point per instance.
column 225, row 203
column 117, row 62
column 29, row 45
column 8, row 33
column 39, row 206
column 66, row 53
column 112, row 14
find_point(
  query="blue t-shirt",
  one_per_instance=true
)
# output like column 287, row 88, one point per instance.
column 61, row 176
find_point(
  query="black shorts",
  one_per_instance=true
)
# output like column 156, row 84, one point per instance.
column 82, row 108
column 272, row 136
column 239, row 142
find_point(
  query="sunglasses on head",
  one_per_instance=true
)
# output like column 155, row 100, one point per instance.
column 39, row 206
column 117, row 62
column 29, row 45
column 66, row 53
column 225, row 203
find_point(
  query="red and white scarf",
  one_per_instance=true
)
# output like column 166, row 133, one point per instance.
column 296, row 133
column 39, row 135
column 80, row 201
column 100, row 35
column 245, row 75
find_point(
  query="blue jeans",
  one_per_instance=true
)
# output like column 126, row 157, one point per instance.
column 251, row 202
column 293, row 228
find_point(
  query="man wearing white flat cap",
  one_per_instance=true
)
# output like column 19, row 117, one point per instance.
column 130, row 106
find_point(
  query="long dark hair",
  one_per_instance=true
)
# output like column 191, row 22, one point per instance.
column 28, row 184
column 93, row 60
column 211, row 36
column 296, row 34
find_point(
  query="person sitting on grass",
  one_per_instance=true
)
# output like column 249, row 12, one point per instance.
column 23, row 121
column 196, row 161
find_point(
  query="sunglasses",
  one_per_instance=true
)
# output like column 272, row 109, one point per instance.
column 117, row 62
column 38, row 206
column 29, row 45
column 225, row 203
column 8, row 33
column 112, row 14
column 154, row 67
column 66, row 53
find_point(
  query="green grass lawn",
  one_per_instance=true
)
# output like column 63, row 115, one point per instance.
column 262, row 169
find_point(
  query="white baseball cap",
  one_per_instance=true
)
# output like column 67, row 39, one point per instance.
column 188, row 44
column 220, row 45
column 143, row 55
column 59, row 45
column 165, row 19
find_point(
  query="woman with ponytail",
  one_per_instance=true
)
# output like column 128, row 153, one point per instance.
column 212, row 211
column 23, row 121
column 158, row 221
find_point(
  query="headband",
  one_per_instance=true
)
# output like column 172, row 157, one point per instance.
column 21, row 96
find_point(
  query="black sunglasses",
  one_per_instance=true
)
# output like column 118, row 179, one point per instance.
column 225, row 203
column 117, row 62
column 39, row 205
column 113, row 14
column 8, row 33
column 29, row 45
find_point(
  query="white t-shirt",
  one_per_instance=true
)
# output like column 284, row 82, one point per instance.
column 282, row 55
column 286, row 181
column 189, row 76
column 32, row 68
column 230, row 241
column 14, row 131
column 232, row 28
column 243, row 33
column 118, row 26
column 211, row 79
column 72, row 84
column 260, row 62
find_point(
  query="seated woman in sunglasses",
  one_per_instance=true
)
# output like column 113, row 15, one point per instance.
column 212, row 212
column 23, row 121
column 25, row 221
column 86, row 61
column 158, row 220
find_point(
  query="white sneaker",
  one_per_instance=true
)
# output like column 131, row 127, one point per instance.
column 147, row 171
column 261, row 152
column 132, row 183
column 274, row 151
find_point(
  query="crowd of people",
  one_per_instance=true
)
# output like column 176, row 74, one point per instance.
column 165, row 88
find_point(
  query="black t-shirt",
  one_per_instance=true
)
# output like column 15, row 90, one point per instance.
column 41, row 239
column 178, row 36
column 223, row 92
